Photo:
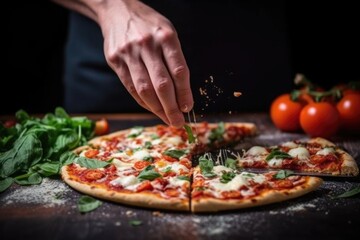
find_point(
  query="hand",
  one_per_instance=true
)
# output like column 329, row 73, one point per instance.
column 142, row 47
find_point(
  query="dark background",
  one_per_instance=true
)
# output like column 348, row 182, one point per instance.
column 323, row 38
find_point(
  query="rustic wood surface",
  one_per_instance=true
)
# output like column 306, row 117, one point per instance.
column 314, row 216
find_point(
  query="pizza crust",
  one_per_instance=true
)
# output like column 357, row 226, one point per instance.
column 349, row 166
column 213, row 205
column 141, row 199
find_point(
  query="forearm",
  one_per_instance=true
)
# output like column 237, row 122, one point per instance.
column 93, row 8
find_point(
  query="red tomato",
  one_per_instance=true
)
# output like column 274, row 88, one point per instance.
column 101, row 126
column 285, row 113
column 320, row 119
column 349, row 109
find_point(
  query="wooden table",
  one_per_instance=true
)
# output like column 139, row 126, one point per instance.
column 26, row 215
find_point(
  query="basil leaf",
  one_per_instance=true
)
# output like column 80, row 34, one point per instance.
column 148, row 145
column 186, row 178
column 230, row 163
column 206, row 167
column 28, row 179
column 227, row 177
column 205, row 164
column 88, row 204
column 5, row 184
column 91, row 163
column 276, row 153
column 135, row 131
column 217, row 133
column 148, row 174
column 190, row 134
column 135, row 222
column 175, row 153
column 49, row 168
column 352, row 192
column 282, row 174
column 67, row 158
column 26, row 152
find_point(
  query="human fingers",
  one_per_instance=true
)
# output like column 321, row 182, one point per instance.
column 144, row 87
column 162, row 82
column 177, row 67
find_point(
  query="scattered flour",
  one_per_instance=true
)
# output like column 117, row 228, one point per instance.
column 49, row 194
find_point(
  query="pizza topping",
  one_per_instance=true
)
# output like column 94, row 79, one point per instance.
column 149, row 173
column 91, row 163
column 135, row 131
column 128, row 182
column 175, row 153
column 300, row 153
column 277, row 154
column 290, row 144
column 326, row 151
column 256, row 150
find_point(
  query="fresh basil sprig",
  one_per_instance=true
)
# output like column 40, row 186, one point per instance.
column 227, row 177
column 206, row 167
column 148, row 174
column 231, row 163
column 217, row 133
column 190, row 134
column 91, row 163
column 175, row 153
column 32, row 149
column 277, row 154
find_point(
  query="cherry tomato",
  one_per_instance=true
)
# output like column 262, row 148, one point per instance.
column 320, row 119
column 101, row 126
column 349, row 109
column 285, row 113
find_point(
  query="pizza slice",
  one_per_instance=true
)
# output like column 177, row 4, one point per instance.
column 316, row 155
column 147, row 166
column 224, row 187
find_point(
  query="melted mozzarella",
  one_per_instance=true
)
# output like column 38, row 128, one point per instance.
column 174, row 141
column 300, row 152
column 257, row 150
column 290, row 144
column 220, row 168
column 177, row 166
column 128, row 182
column 326, row 151
column 141, row 154
column 232, row 185
column 176, row 182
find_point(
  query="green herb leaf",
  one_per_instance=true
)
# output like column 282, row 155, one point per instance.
column 88, row 204
column 217, row 133
column 167, row 169
column 227, row 177
column 28, row 179
column 230, row 163
column 352, row 192
column 91, row 163
column 135, row 222
column 206, row 167
column 282, row 174
column 5, row 184
column 186, row 178
column 148, row 145
column 276, row 153
column 148, row 174
column 135, row 131
column 175, row 153
column 190, row 134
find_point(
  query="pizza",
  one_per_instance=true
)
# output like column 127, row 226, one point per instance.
column 152, row 167
column 316, row 155
column 224, row 187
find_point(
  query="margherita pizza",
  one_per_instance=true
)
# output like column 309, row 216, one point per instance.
column 152, row 167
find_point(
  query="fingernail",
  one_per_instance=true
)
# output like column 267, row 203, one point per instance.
column 185, row 108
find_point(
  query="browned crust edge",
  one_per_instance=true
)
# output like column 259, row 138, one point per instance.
column 214, row 205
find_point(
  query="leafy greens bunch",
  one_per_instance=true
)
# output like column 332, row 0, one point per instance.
column 31, row 149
